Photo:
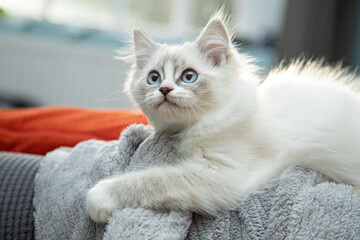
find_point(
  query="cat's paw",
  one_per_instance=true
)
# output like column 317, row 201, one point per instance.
column 100, row 203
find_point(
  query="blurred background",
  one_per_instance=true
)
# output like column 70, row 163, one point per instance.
column 61, row 52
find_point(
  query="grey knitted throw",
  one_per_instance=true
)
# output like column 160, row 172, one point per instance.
column 303, row 205
column 17, row 173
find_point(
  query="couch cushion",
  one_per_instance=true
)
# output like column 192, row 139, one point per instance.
column 40, row 130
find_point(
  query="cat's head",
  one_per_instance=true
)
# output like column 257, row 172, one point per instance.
column 176, row 86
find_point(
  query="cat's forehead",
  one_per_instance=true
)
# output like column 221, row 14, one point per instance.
column 176, row 58
column 172, row 55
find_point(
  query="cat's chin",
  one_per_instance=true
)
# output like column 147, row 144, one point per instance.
column 169, row 110
column 171, row 113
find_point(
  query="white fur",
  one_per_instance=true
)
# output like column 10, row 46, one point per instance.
column 236, row 134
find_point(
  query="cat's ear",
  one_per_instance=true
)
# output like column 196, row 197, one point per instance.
column 144, row 47
column 214, row 41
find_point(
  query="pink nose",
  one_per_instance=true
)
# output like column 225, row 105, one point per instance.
column 165, row 90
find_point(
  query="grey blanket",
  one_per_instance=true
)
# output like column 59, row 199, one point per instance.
column 303, row 205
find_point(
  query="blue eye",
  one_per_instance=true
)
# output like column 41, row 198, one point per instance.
column 189, row 76
column 153, row 78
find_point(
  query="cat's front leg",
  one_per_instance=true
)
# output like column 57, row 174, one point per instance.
column 188, row 187
column 100, row 202
column 112, row 193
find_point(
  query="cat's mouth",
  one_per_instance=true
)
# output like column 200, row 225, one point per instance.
column 168, row 103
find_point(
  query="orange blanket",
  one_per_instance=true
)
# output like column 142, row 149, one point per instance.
column 40, row 130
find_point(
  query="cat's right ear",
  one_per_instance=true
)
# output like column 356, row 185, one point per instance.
column 144, row 47
column 214, row 41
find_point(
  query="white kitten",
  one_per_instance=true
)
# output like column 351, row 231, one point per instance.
column 236, row 134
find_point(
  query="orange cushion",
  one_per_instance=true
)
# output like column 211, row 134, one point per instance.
column 40, row 130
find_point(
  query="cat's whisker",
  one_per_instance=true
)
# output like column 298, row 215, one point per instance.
column 149, row 107
column 112, row 99
column 199, row 125
column 131, row 118
column 182, row 116
column 206, row 102
column 197, row 106
column 107, row 97
column 189, row 116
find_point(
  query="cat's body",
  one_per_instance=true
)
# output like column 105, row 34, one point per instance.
column 235, row 134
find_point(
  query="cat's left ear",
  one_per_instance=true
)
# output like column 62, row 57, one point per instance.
column 214, row 41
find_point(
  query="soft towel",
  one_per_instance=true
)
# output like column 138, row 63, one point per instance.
column 303, row 205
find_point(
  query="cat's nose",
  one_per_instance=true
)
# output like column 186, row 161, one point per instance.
column 165, row 90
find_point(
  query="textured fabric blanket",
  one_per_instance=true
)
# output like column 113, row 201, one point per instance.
column 17, row 173
column 303, row 205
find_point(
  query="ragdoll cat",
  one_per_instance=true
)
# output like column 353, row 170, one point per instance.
column 237, row 132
